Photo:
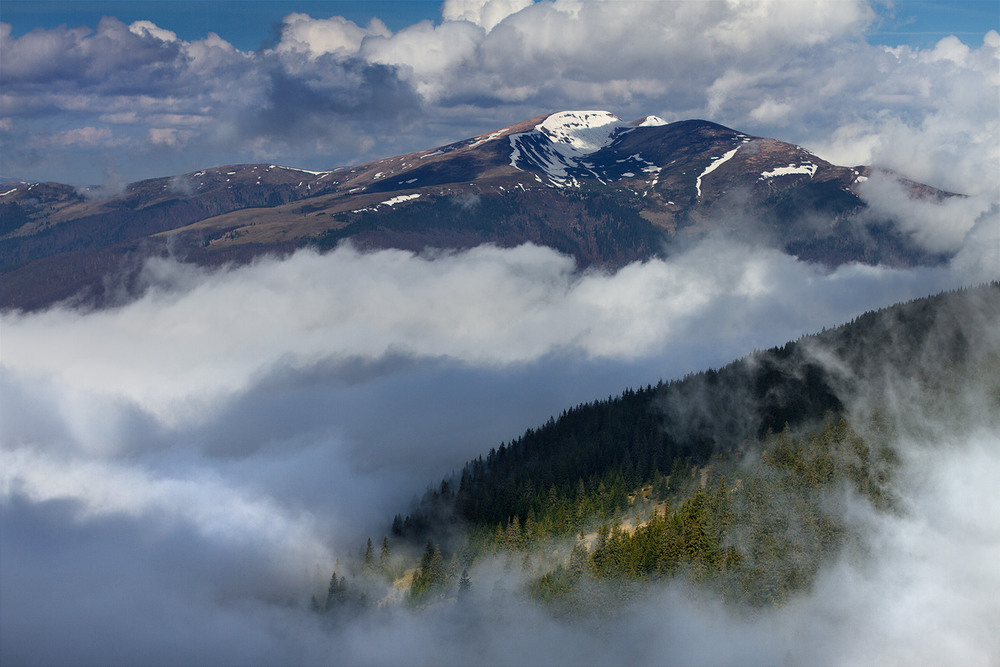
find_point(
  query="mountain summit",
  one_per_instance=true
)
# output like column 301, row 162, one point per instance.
column 586, row 183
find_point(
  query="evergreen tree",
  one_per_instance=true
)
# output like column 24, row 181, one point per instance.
column 369, row 557
column 431, row 576
column 384, row 557
column 464, row 585
column 336, row 592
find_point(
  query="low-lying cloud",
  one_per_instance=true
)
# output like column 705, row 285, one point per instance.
column 180, row 473
column 205, row 335
column 113, row 591
column 936, row 226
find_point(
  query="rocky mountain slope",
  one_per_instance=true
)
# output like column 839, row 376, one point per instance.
column 585, row 183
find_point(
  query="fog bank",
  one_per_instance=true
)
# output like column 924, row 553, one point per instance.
column 178, row 475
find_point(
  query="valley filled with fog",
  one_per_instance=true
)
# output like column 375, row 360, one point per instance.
column 185, row 470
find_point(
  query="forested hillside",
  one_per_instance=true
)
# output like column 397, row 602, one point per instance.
column 736, row 477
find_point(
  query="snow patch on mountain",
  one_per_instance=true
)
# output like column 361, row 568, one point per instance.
column 304, row 171
column 560, row 144
column 575, row 133
column 483, row 139
column 806, row 168
column 398, row 200
column 650, row 121
column 712, row 167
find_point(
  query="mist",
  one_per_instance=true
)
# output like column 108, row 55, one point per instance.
column 180, row 474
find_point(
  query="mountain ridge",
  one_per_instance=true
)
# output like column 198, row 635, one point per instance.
column 606, row 191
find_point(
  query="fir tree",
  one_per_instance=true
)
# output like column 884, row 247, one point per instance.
column 464, row 585
column 385, row 555
column 369, row 558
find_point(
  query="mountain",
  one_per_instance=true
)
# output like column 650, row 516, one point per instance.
column 583, row 182
column 741, row 479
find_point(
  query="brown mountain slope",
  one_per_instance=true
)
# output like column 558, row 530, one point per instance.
column 584, row 183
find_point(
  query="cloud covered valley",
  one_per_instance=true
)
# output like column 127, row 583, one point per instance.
column 181, row 473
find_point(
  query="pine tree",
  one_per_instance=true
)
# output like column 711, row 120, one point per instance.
column 431, row 576
column 578, row 558
column 464, row 585
column 336, row 592
column 369, row 558
column 384, row 557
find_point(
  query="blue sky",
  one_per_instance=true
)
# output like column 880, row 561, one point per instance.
column 147, row 89
column 921, row 24
column 249, row 24
column 245, row 24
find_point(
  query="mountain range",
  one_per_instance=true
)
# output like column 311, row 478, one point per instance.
column 586, row 183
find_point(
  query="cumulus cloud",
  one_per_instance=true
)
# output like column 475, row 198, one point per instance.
column 799, row 72
column 168, row 136
column 150, row 29
column 484, row 13
column 300, row 32
column 156, row 90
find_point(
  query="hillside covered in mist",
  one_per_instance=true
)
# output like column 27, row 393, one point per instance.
column 745, row 481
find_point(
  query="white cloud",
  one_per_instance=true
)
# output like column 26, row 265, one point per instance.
column 979, row 259
column 148, row 28
column 428, row 56
column 800, row 72
column 168, row 136
column 770, row 111
column 336, row 35
column 218, row 511
column 937, row 226
column 206, row 335
column 484, row 13
column 87, row 136
column 923, row 598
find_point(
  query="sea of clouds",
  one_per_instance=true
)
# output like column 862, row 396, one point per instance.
column 179, row 474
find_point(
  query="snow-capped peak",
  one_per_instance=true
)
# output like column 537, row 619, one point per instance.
column 576, row 133
column 560, row 145
column 649, row 121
